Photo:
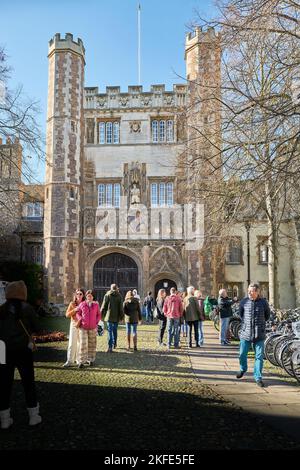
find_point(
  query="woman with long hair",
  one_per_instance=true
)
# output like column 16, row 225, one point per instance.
column 133, row 316
column 88, row 316
column 73, row 346
column 160, row 300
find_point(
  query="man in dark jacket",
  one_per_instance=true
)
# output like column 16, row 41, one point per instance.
column 17, row 322
column 224, row 304
column 112, row 313
column 254, row 312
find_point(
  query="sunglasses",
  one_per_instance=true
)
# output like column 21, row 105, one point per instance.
column 79, row 293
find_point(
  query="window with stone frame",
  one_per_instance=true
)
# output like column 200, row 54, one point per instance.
column 162, row 130
column 33, row 210
column 264, row 290
column 263, row 250
column 234, row 251
column 109, row 194
column 162, row 194
column 109, row 132
column 34, row 252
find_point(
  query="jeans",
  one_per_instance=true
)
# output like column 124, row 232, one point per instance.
column 259, row 357
column 196, row 332
column 173, row 330
column 161, row 331
column 133, row 326
column 201, row 337
column 23, row 361
column 149, row 316
column 224, row 322
column 184, row 328
column 112, row 330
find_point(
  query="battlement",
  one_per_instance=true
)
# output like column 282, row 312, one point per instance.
column 135, row 97
column 66, row 43
column 199, row 35
column 10, row 141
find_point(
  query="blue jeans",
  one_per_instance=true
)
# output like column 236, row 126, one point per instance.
column 173, row 330
column 224, row 322
column 201, row 337
column 259, row 357
column 112, row 330
column 133, row 326
column 149, row 316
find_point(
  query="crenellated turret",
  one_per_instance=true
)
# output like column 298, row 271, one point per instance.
column 64, row 148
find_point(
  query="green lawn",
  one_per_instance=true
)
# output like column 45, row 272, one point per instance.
column 147, row 400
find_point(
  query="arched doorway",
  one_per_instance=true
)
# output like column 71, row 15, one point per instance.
column 164, row 284
column 114, row 268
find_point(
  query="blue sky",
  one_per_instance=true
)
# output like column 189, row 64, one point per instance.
column 109, row 33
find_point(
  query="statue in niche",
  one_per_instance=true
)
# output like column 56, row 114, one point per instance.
column 135, row 195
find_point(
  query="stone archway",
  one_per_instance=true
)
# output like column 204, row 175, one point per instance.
column 114, row 268
column 94, row 256
column 164, row 284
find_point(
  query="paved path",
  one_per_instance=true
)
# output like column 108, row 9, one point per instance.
column 278, row 403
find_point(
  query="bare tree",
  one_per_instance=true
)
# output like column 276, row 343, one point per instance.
column 248, row 166
column 20, row 134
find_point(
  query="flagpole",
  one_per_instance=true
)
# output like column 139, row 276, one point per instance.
column 139, row 44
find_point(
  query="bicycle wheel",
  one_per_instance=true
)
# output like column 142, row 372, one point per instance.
column 217, row 323
column 269, row 347
column 286, row 353
column 296, row 364
column 54, row 311
column 231, row 327
column 277, row 348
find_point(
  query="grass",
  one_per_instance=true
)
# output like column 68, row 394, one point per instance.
column 147, row 400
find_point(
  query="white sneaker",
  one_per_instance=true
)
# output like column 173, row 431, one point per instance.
column 67, row 364
column 34, row 417
column 5, row 418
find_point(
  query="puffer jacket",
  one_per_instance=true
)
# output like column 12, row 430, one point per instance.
column 112, row 307
column 88, row 315
column 132, row 311
column 11, row 331
column 192, row 310
column 173, row 306
column 254, row 314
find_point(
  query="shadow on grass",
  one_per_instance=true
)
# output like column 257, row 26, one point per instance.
column 95, row 417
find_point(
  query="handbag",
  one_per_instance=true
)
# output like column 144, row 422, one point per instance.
column 31, row 343
column 155, row 313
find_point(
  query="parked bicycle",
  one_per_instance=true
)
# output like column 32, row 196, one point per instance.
column 282, row 344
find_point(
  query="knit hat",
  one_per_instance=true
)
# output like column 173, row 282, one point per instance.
column 16, row 290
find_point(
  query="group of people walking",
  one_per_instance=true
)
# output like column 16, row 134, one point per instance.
column 18, row 321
